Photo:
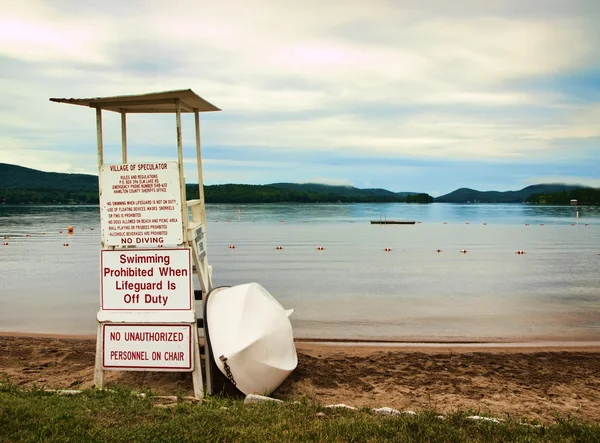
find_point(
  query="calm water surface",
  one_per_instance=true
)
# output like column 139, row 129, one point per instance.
column 352, row 289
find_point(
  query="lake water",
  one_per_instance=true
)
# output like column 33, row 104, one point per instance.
column 353, row 288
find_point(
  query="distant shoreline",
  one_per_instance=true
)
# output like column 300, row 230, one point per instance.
column 96, row 205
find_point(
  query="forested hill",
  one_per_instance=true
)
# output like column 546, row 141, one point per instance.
column 348, row 191
column 466, row 195
column 19, row 177
column 24, row 185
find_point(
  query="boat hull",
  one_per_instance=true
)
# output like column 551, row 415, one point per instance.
column 251, row 338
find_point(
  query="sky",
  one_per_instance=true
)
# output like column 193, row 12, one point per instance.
column 424, row 96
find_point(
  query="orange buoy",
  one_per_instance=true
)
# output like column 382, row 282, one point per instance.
column 70, row 229
column 320, row 248
column 231, row 246
column 387, row 249
column 6, row 237
column 464, row 251
column 279, row 248
column 445, row 223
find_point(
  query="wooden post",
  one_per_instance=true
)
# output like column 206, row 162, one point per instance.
column 98, row 371
column 124, row 136
column 199, row 162
column 197, row 372
column 99, row 137
column 184, row 209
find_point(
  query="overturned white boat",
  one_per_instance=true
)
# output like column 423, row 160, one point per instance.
column 251, row 337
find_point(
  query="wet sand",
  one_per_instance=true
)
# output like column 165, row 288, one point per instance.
column 532, row 380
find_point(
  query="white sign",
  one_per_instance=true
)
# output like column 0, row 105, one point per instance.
column 140, row 204
column 146, row 279
column 200, row 244
column 147, row 346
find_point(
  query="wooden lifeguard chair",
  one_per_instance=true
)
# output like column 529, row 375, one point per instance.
column 191, row 233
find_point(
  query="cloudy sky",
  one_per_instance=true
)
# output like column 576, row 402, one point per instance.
column 406, row 95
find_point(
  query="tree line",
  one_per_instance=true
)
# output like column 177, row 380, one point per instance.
column 584, row 197
column 212, row 194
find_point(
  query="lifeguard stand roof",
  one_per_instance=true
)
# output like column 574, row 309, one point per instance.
column 151, row 103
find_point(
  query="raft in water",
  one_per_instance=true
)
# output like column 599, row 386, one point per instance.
column 393, row 222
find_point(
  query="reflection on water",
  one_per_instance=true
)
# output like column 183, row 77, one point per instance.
column 353, row 288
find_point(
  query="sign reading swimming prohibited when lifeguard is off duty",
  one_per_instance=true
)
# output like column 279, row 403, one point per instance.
column 140, row 204
column 146, row 279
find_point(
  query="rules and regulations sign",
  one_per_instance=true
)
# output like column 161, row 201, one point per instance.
column 147, row 346
column 146, row 279
column 140, row 204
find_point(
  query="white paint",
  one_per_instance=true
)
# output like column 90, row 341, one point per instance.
column 146, row 279
column 200, row 244
column 140, row 204
column 147, row 346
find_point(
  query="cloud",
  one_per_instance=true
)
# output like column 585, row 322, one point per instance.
column 498, row 81
column 594, row 182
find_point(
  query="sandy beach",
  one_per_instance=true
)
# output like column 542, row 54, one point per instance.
column 536, row 381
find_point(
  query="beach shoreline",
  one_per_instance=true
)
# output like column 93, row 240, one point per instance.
column 537, row 381
column 415, row 343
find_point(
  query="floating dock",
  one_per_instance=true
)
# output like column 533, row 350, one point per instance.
column 393, row 222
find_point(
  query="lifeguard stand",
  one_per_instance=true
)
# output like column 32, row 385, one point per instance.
column 191, row 236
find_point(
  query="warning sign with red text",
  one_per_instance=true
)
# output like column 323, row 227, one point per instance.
column 140, row 204
column 147, row 346
column 146, row 279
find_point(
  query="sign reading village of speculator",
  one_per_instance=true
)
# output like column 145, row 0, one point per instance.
column 140, row 204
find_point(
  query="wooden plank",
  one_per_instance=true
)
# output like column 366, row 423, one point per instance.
column 199, row 164
column 124, row 136
column 99, row 138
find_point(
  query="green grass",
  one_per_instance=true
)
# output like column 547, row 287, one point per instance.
column 38, row 415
